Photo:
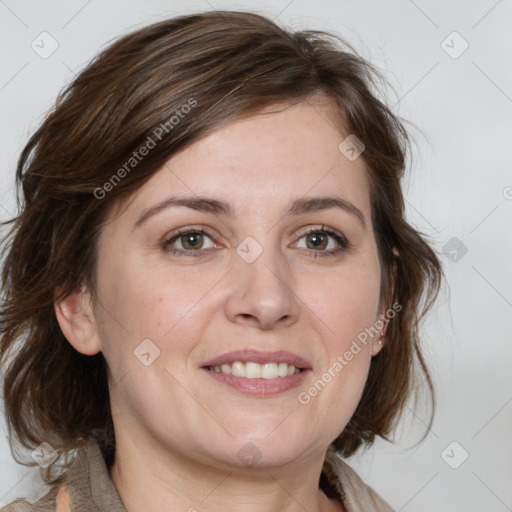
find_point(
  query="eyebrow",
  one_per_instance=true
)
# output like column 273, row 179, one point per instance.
column 315, row 204
column 219, row 207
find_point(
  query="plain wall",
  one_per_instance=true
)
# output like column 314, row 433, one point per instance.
column 459, row 186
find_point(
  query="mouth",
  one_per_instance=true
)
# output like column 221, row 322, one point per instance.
column 258, row 373
column 254, row 370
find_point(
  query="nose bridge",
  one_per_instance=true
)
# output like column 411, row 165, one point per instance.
column 263, row 293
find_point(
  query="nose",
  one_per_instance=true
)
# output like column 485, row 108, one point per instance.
column 263, row 293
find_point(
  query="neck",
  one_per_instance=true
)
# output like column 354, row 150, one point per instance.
column 144, row 473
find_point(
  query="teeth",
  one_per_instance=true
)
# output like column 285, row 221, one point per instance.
column 238, row 369
column 251, row 370
column 269, row 371
column 226, row 368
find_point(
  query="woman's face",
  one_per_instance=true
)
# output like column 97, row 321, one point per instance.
column 235, row 278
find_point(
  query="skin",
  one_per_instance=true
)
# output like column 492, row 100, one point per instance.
column 178, row 430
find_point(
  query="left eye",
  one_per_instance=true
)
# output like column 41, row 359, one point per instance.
column 322, row 240
column 193, row 242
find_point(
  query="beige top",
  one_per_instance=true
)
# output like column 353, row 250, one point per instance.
column 89, row 488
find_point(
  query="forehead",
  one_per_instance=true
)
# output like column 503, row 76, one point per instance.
column 283, row 152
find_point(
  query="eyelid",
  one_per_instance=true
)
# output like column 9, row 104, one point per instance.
column 344, row 242
column 341, row 240
column 205, row 230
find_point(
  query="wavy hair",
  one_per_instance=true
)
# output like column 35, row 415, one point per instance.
column 232, row 64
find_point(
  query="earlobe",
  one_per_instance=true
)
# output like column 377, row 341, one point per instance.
column 379, row 343
column 76, row 320
column 377, row 346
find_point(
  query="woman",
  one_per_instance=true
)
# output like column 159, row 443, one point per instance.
column 211, row 292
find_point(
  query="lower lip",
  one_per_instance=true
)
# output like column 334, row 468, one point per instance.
column 260, row 387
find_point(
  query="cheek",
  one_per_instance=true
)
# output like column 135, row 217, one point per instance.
column 137, row 303
column 346, row 303
column 347, row 306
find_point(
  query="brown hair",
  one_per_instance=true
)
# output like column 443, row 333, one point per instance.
column 224, row 65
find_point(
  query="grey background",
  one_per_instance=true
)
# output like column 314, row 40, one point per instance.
column 460, row 185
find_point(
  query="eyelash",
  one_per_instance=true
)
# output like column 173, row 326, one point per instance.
column 178, row 234
column 344, row 244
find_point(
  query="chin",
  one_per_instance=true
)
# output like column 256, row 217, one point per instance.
column 265, row 450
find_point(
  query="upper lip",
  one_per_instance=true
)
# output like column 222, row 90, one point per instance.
column 257, row 356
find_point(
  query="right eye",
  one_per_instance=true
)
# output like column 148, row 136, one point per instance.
column 188, row 241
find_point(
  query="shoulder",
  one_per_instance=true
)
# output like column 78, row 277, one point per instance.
column 56, row 500
column 356, row 495
column 86, row 485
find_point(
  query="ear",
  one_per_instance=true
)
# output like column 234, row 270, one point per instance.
column 76, row 319
column 380, row 340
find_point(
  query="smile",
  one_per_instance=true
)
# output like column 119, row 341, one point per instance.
column 253, row 370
